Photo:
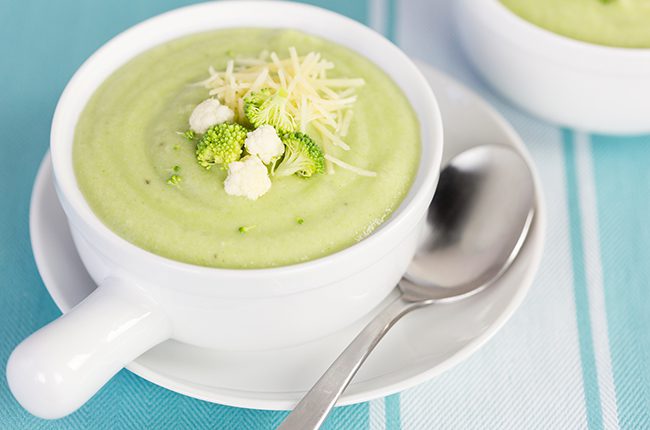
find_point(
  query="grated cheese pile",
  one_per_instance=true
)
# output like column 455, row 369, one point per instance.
column 313, row 99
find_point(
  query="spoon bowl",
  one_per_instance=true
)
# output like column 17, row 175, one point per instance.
column 475, row 226
column 477, row 222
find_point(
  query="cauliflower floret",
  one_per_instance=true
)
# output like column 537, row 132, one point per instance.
column 248, row 178
column 265, row 143
column 208, row 113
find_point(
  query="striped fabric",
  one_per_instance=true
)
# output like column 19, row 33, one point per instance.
column 577, row 353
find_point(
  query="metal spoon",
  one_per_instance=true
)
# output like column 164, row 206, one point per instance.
column 476, row 224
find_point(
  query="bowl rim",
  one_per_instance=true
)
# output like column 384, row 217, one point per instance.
column 76, row 206
column 498, row 10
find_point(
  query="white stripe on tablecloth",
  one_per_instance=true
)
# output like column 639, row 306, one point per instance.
column 377, row 416
column 529, row 376
column 593, row 271
column 377, row 15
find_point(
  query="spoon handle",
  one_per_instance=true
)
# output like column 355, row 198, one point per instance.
column 312, row 410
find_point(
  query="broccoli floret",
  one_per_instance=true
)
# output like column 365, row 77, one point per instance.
column 174, row 180
column 269, row 107
column 302, row 156
column 189, row 134
column 221, row 144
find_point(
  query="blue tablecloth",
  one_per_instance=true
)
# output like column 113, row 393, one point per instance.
column 575, row 355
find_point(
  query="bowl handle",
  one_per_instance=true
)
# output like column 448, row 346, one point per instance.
column 61, row 366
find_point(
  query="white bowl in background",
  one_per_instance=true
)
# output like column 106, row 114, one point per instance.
column 569, row 82
column 144, row 299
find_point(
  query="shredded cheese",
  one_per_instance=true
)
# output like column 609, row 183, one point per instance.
column 313, row 99
column 359, row 171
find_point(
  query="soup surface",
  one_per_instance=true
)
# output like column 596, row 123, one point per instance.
column 622, row 23
column 127, row 144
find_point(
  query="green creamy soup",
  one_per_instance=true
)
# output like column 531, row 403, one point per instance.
column 622, row 23
column 127, row 144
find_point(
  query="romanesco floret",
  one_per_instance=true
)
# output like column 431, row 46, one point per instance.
column 302, row 156
column 269, row 107
column 221, row 144
column 248, row 178
column 208, row 113
column 265, row 143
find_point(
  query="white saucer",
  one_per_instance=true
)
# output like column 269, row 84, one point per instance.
column 422, row 345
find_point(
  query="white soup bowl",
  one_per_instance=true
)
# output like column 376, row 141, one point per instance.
column 144, row 299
